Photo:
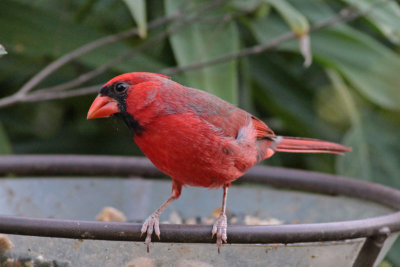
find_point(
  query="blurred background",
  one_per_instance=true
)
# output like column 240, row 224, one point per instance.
column 312, row 68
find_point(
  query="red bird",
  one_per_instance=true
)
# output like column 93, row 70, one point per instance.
column 194, row 137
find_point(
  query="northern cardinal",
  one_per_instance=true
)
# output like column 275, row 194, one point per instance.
column 194, row 137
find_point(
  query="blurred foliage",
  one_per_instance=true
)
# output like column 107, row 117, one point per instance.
column 349, row 94
column 138, row 10
column 203, row 41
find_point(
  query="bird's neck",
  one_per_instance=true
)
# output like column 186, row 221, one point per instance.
column 134, row 126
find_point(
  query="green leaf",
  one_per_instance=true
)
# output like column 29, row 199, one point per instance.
column 52, row 36
column 2, row 50
column 297, row 21
column 375, row 158
column 245, row 81
column 347, row 99
column 369, row 66
column 284, row 92
column 245, row 5
column 5, row 145
column 356, row 134
column 299, row 25
column 385, row 16
column 385, row 263
column 203, row 41
column 327, row 101
column 138, row 11
column 393, row 256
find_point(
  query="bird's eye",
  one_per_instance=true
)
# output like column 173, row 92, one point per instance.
column 120, row 88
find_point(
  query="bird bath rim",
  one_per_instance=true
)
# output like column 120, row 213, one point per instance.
column 374, row 229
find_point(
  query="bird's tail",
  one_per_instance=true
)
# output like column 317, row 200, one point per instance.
column 308, row 145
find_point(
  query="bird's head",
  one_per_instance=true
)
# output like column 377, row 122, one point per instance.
column 116, row 93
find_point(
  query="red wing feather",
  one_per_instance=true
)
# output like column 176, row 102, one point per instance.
column 263, row 132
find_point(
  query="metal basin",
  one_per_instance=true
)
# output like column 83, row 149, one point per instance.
column 49, row 208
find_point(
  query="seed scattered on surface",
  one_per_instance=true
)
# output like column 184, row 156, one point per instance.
column 191, row 221
column 5, row 243
column 110, row 214
column 175, row 218
column 252, row 220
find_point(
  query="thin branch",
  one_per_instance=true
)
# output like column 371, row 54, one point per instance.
column 107, row 40
column 41, row 96
column 9, row 100
column 347, row 14
column 104, row 68
column 22, row 93
column 88, row 48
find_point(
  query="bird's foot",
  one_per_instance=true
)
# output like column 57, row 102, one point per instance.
column 219, row 228
column 151, row 224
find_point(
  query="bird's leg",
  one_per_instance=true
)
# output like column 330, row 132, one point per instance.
column 152, row 223
column 220, row 225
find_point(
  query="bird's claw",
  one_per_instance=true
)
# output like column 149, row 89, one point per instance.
column 219, row 228
column 151, row 224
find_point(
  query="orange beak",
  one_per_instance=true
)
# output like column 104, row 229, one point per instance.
column 102, row 107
